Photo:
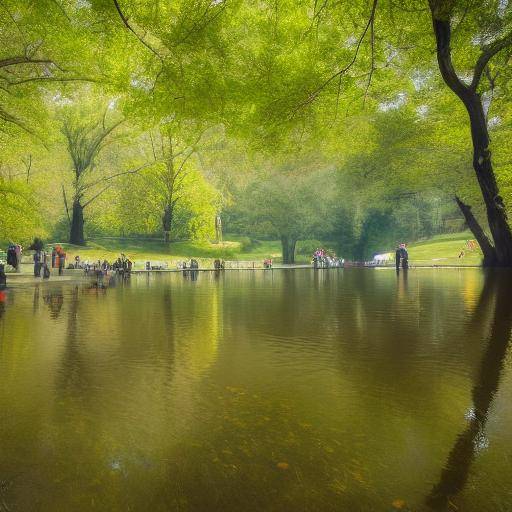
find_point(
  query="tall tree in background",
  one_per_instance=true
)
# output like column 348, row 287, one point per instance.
column 171, row 172
column 84, row 142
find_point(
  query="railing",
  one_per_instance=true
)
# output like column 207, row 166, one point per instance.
column 243, row 264
column 204, row 264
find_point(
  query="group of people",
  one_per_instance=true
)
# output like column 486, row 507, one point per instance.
column 219, row 264
column 123, row 265
column 191, row 265
column 322, row 259
column 41, row 260
column 59, row 259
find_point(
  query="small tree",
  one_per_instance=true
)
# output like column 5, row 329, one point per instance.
column 170, row 175
column 291, row 208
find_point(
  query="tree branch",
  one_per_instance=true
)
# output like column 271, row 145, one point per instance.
column 22, row 59
column 87, row 203
column 51, row 79
column 116, row 175
column 129, row 27
column 314, row 94
column 66, row 204
column 488, row 52
column 372, row 65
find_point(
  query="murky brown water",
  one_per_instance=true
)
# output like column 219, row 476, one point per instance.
column 346, row 390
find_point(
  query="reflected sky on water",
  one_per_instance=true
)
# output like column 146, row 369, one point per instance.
column 279, row 390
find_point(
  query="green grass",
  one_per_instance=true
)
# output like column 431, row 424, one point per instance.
column 440, row 250
column 153, row 250
column 444, row 250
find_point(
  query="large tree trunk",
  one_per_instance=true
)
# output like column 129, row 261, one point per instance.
column 482, row 164
column 487, row 249
column 76, row 235
column 288, row 249
column 496, row 213
column 167, row 219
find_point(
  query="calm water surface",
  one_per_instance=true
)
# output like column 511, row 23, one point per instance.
column 346, row 390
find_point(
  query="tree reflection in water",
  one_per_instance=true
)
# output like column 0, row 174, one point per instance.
column 456, row 471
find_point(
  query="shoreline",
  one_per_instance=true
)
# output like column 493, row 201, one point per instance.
column 77, row 275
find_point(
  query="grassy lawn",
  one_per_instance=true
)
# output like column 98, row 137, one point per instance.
column 154, row 250
column 444, row 250
column 440, row 250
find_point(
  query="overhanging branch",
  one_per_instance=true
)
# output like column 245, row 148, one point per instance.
column 487, row 54
column 132, row 30
column 314, row 94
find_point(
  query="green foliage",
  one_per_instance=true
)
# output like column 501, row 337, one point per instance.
column 19, row 218
column 308, row 247
column 238, row 108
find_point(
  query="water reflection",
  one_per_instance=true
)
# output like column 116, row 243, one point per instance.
column 36, row 297
column 287, row 391
column 54, row 299
column 456, row 471
column 72, row 379
column 191, row 274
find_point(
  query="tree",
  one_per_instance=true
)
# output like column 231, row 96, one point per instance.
column 170, row 175
column 18, row 210
column 289, row 207
column 443, row 13
column 84, row 144
column 85, row 141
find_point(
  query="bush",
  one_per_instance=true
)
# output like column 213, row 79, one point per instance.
column 308, row 247
column 247, row 244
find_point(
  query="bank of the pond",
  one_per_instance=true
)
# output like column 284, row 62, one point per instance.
column 439, row 251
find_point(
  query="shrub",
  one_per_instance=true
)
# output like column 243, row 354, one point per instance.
column 308, row 247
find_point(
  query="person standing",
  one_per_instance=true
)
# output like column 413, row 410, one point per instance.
column 3, row 277
column 18, row 251
column 44, row 265
column 37, row 263
column 398, row 255
column 404, row 256
column 62, row 260
column 14, row 256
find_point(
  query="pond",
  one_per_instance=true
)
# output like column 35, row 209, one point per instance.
column 289, row 390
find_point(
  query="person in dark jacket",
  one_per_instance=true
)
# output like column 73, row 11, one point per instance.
column 398, row 255
column 404, row 257
column 62, row 260
column 3, row 277
column 11, row 255
column 38, row 256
